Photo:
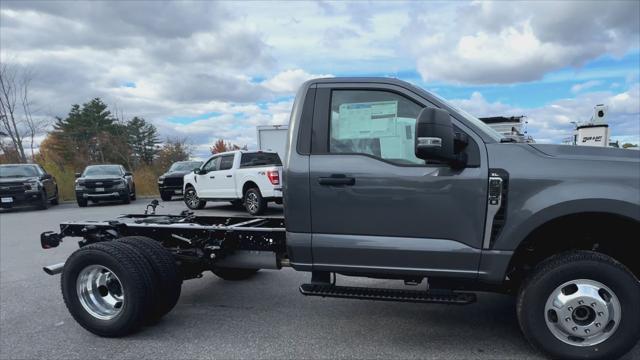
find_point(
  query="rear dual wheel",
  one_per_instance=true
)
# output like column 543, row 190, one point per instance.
column 113, row 288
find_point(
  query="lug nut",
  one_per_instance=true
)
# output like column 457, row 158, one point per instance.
column 586, row 331
column 598, row 325
column 593, row 304
column 580, row 302
column 600, row 313
column 570, row 308
column 567, row 319
column 575, row 328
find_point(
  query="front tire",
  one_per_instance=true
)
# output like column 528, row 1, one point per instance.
column 108, row 288
column 254, row 202
column 192, row 200
column 580, row 305
column 82, row 202
column 56, row 199
column 165, row 196
column 44, row 200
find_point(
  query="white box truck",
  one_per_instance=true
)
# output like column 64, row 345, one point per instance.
column 273, row 138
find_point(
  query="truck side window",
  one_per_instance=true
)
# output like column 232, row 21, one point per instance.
column 226, row 162
column 212, row 164
column 377, row 123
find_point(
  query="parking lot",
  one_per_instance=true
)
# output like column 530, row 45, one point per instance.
column 264, row 317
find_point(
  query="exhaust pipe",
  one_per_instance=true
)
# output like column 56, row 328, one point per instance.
column 54, row 269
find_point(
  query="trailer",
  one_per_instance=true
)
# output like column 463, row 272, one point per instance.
column 273, row 138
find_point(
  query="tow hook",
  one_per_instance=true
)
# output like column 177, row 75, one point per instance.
column 54, row 269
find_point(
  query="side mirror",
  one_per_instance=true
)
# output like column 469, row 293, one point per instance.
column 196, row 171
column 436, row 139
column 128, row 173
column 47, row 177
column 78, row 175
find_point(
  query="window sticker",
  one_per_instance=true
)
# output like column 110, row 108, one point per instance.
column 367, row 120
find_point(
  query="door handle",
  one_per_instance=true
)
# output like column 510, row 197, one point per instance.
column 212, row 177
column 336, row 180
column 228, row 175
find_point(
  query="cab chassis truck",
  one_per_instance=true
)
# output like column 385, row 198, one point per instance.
column 383, row 179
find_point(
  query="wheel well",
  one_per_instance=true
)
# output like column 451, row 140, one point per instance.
column 188, row 185
column 248, row 185
column 605, row 233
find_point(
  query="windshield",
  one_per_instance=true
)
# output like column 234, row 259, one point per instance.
column 477, row 122
column 14, row 171
column 185, row 166
column 102, row 170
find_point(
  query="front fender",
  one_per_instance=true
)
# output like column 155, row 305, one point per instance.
column 565, row 199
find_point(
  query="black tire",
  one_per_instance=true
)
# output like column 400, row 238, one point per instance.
column 236, row 203
column 82, row 202
column 193, row 203
column 56, row 199
column 43, row 204
column 166, row 196
column 133, row 196
column 232, row 274
column 254, row 203
column 126, row 199
column 165, row 270
column 568, row 267
column 132, row 271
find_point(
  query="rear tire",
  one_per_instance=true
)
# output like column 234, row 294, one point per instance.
column 82, row 202
column 254, row 202
column 192, row 200
column 554, row 320
column 169, row 280
column 116, row 288
column 126, row 199
column 165, row 196
column 133, row 196
column 232, row 274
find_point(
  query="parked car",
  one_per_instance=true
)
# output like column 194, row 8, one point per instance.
column 104, row 182
column 249, row 178
column 170, row 183
column 27, row 184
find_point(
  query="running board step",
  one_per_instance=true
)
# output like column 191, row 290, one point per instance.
column 416, row 296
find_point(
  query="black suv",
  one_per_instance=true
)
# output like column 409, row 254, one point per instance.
column 170, row 183
column 104, row 182
column 27, row 184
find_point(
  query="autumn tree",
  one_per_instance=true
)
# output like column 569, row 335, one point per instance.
column 221, row 146
column 172, row 150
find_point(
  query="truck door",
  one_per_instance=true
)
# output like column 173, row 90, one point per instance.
column 225, row 186
column 376, row 207
column 206, row 179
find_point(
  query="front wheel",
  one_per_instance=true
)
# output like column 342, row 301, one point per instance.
column 44, row 201
column 580, row 305
column 56, row 199
column 192, row 200
column 165, row 196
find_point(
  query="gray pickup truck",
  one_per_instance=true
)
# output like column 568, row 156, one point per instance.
column 383, row 179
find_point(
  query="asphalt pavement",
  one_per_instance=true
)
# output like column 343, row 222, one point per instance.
column 264, row 317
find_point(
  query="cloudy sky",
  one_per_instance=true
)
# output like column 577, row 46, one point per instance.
column 208, row 70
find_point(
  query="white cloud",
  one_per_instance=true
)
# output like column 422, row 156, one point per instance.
column 290, row 80
column 585, row 85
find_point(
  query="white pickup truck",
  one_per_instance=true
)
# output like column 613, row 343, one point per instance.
column 249, row 178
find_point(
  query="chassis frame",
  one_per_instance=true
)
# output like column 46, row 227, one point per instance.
column 198, row 243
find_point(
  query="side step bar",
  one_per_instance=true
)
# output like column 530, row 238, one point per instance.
column 415, row 296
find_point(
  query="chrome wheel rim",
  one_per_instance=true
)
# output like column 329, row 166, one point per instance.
column 252, row 202
column 100, row 292
column 582, row 312
column 192, row 198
